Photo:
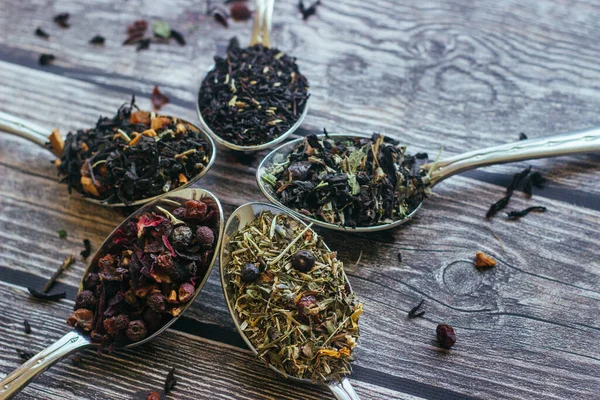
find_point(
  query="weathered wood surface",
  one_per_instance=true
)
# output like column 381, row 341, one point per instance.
column 457, row 75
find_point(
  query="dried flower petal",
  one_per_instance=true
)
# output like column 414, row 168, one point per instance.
column 482, row 260
column 158, row 99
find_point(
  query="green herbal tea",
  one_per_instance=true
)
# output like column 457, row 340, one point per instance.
column 291, row 298
column 349, row 181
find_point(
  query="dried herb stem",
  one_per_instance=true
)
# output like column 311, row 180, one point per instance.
column 293, row 242
column 65, row 264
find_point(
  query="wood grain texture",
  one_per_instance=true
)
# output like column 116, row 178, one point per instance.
column 458, row 75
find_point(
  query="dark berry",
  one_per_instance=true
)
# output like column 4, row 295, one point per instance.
column 303, row 261
column 91, row 281
column 116, row 324
column 181, row 237
column 304, row 305
column 445, row 336
column 85, row 299
column 157, row 302
column 250, row 273
column 136, row 330
column 205, row 236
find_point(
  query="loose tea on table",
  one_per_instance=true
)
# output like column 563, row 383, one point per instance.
column 26, row 327
column 97, row 40
column 414, row 312
column 46, row 296
column 483, row 260
column 133, row 155
column 87, row 249
column 512, row 215
column 41, row 33
column 446, row 336
column 148, row 272
column 62, row 20
column 291, row 298
column 351, row 181
column 518, row 178
column 254, row 95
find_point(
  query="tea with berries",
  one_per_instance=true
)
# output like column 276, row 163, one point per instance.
column 147, row 272
column 252, row 96
column 291, row 298
column 349, row 181
column 134, row 155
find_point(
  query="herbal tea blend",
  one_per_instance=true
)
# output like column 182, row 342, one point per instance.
column 291, row 298
column 254, row 95
column 148, row 274
column 131, row 156
column 349, row 181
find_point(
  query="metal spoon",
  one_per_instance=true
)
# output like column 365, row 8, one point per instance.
column 560, row 145
column 39, row 135
column 261, row 33
column 241, row 217
column 75, row 340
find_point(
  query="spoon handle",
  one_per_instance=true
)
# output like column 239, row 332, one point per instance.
column 19, row 378
column 343, row 390
column 587, row 141
column 263, row 16
column 25, row 129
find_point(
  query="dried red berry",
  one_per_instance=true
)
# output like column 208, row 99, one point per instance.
column 304, row 305
column 153, row 396
column 240, row 12
column 136, row 330
column 165, row 261
column 116, row 324
column 157, row 302
column 205, row 236
column 445, row 336
column 85, row 299
column 195, row 209
column 303, row 261
column 91, row 281
column 186, row 292
column 82, row 318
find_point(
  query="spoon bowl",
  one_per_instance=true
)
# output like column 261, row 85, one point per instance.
column 76, row 339
column 587, row 141
column 39, row 136
column 241, row 217
column 260, row 34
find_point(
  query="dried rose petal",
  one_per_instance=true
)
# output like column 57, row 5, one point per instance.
column 146, row 221
column 158, row 99
column 169, row 246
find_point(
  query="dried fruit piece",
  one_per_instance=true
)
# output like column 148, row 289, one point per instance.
column 158, row 99
column 482, row 260
column 240, row 12
column 56, row 142
column 445, row 336
column 82, row 318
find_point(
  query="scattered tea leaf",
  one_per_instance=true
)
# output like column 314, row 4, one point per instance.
column 97, row 40
column 413, row 311
column 220, row 16
column 240, row 12
column 26, row 327
column 41, row 33
column 518, row 178
column 522, row 136
column 399, row 256
column 46, row 59
column 534, row 179
column 512, row 215
column 87, row 249
column 76, row 360
column 62, row 20
column 47, row 296
column 311, row 10
column 62, row 234
column 178, row 37
column 161, row 29
column 482, row 260
column 143, row 44
column 24, row 355
column 158, row 99
column 170, row 381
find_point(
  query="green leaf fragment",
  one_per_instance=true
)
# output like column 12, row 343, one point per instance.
column 62, row 234
column 161, row 29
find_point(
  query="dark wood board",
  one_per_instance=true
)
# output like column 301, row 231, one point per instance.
column 455, row 75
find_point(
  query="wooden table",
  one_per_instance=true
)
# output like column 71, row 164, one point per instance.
column 456, row 75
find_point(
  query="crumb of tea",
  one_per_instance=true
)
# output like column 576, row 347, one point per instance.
column 482, row 260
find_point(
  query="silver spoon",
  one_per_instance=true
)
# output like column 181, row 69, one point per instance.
column 39, row 135
column 241, row 217
column 560, row 145
column 261, row 33
column 76, row 340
